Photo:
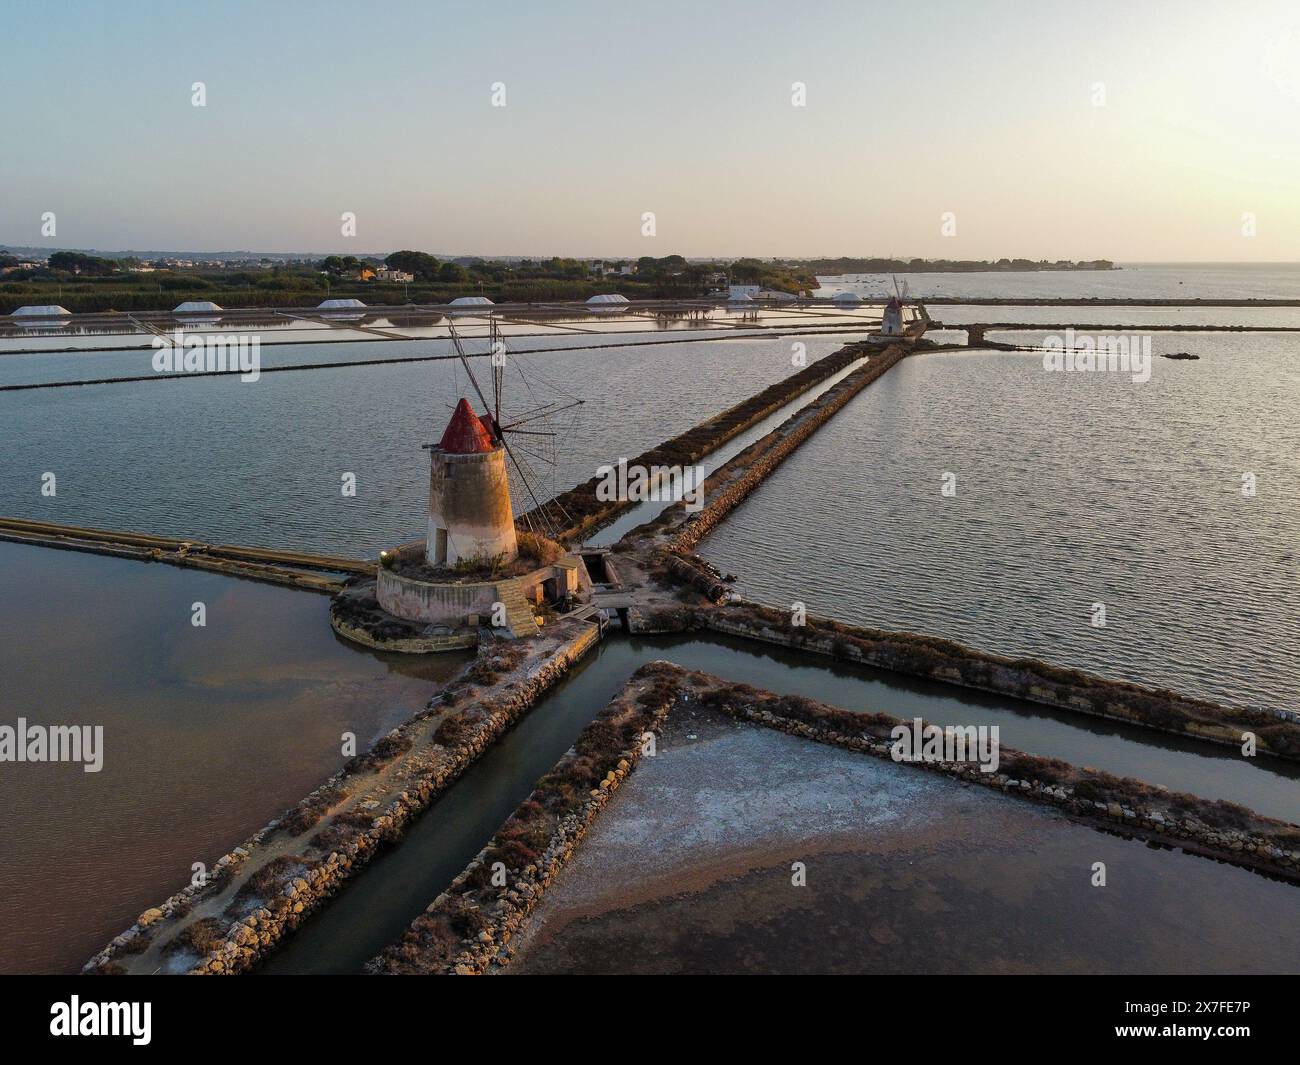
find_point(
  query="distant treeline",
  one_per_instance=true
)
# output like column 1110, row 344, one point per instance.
column 825, row 267
column 84, row 283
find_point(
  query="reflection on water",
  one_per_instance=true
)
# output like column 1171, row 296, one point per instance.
column 208, row 732
column 648, row 510
column 1268, row 785
column 1072, row 489
column 1097, row 491
column 343, row 326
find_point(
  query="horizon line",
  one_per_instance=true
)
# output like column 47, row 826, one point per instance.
column 8, row 249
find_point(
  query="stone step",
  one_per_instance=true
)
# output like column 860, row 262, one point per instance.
column 519, row 613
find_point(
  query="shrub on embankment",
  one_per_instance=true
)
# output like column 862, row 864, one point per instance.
column 197, row 938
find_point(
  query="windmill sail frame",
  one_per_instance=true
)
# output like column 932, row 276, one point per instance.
column 540, row 512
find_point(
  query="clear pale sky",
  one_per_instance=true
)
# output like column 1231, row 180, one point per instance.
column 679, row 107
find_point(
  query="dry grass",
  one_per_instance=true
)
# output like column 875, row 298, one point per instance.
column 540, row 550
column 453, row 732
column 342, row 829
column 311, row 810
column 268, row 881
column 198, row 938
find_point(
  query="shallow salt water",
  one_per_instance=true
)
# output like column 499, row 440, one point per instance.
column 1060, row 488
column 1255, row 317
column 261, row 463
column 690, row 870
column 208, row 732
column 1072, row 490
column 391, row 891
column 1172, row 281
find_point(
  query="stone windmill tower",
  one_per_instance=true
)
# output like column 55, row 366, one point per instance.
column 470, row 515
column 472, row 470
column 891, row 324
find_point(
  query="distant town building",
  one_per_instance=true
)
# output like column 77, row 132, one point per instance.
column 386, row 274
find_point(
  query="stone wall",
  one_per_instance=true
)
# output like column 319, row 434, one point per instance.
column 1026, row 679
column 760, row 459
column 1212, row 828
column 447, row 604
column 299, row 888
column 467, row 929
column 414, row 645
column 589, row 514
column 435, row 602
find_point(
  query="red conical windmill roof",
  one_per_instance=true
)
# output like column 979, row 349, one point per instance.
column 465, row 433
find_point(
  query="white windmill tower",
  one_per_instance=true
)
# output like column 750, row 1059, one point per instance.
column 891, row 324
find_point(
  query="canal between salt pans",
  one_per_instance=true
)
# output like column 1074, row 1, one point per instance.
column 398, row 884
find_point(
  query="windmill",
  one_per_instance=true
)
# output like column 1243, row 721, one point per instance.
column 524, row 424
column 891, row 323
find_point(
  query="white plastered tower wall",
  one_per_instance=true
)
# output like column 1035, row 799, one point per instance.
column 892, row 320
column 470, row 516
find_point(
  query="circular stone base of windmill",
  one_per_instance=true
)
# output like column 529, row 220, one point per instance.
column 355, row 614
column 413, row 607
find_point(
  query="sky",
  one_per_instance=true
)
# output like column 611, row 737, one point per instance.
column 1144, row 131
